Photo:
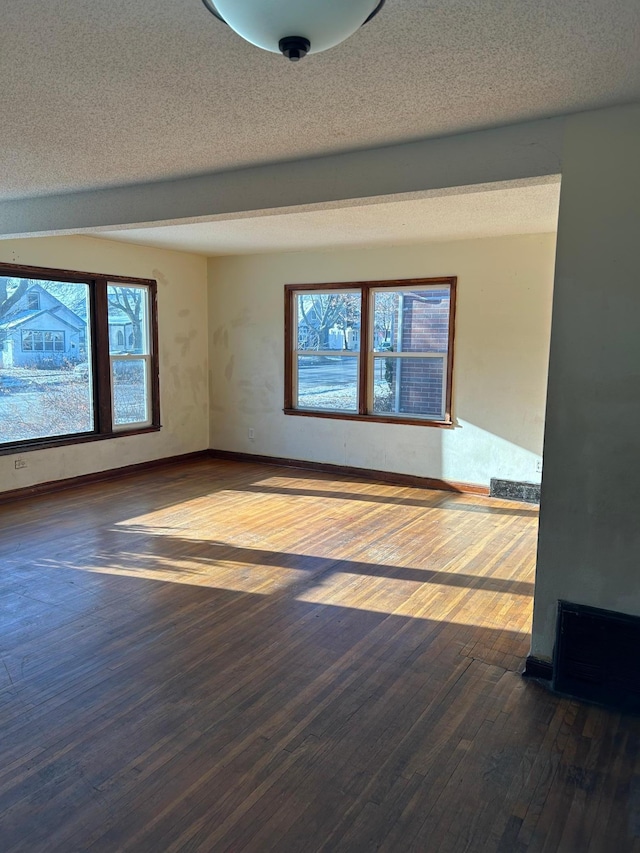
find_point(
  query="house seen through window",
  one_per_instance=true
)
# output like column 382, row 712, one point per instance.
column 373, row 351
column 77, row 357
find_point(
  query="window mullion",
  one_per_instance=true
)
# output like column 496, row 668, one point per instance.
column 365, row 347
column 130, row 356
column 101, row 359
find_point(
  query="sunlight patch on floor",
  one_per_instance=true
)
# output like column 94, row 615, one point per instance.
column 416, row 599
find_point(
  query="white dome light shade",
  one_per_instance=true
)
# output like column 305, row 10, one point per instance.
column 323, row 23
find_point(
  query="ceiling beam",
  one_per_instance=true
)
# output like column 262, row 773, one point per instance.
column 515, row 152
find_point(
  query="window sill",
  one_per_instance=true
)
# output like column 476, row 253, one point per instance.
column 17, row 448
column 380, row 419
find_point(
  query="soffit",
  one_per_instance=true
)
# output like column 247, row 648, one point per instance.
column 521, row 209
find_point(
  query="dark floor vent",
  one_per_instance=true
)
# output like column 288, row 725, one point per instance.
column 596, row 656
column 512, row 490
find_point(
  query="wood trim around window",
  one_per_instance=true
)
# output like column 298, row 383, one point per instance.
column 98, row 320
column 365, row 288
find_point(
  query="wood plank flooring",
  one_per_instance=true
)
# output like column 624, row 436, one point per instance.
column 217, row 656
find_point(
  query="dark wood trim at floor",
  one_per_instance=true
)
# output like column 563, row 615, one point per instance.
column 96, row 477
column 389, row 477
column 537, row 668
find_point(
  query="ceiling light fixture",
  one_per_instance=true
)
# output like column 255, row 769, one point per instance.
column 295, row 27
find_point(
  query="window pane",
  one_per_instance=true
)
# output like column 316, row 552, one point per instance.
column 328, row 321
column 128, row 319
column 411, row 320
column 45, row 381
column 328, row 382
column 130, row 398
column 409, row 386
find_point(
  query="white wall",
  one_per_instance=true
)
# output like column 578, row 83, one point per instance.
column 501, row 353
column 589, row 544
column 182, row 320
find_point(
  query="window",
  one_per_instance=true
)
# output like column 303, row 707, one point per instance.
column 379, row 351
column 33, row 301
column 130, row 371
column 37, row 341
column 61, row 378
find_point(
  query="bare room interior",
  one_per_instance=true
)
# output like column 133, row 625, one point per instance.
column 319, row 405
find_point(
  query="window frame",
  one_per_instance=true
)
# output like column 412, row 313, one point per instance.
column 366, row 352
column 98, row 322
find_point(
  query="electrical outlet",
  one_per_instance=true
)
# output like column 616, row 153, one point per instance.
column 20, row 463
column 251, row 433
column 539, row 466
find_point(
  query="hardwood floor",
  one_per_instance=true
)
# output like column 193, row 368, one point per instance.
column 234, row 657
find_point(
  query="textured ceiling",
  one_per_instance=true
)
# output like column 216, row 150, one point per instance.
column 527, row 209
column 109, row 93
